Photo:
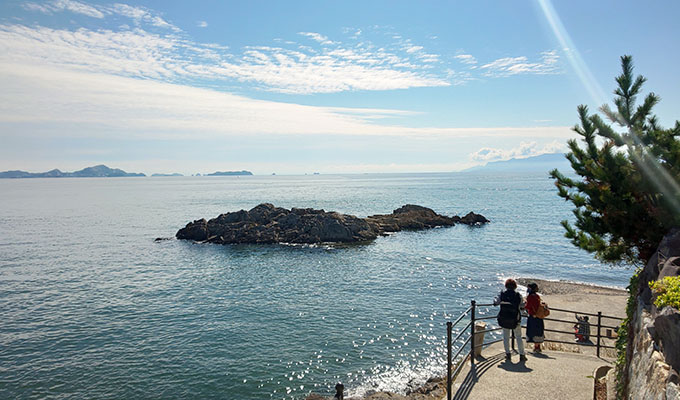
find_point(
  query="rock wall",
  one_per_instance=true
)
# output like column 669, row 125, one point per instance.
column 650, row 376
column 653, row 352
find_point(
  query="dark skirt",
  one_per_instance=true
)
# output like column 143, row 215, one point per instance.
column 534, row 329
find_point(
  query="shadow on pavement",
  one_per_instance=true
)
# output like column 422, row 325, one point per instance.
column 541, row 355
column 475, row 372
column 514, row 367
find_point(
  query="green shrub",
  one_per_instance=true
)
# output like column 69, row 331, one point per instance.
column 667, row 292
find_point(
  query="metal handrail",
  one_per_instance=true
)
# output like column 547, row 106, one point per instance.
column 462, row 331
column 483, row 318
column 463, row 314
column 471, row 338
column 490, row 330
column 488, row 343
column 458, row 368
column 571, row 322
column 585, row 313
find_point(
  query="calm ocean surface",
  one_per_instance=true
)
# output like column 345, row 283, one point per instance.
column 92, row 307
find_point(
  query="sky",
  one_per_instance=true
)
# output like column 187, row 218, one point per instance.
column 293, row 87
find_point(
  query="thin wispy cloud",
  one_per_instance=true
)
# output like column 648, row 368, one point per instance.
column 466, row 59
column 65, row 5
column 154, row 55
column 509, row 66
column 165, row 57
column 139, row 15
column 413, row 49
column 334, row 65
column 459, row 77
column 317, row 37
column 95, row 105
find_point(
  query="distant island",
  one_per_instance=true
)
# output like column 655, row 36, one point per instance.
column 230, row 173
column 175, row 174
column 98, row 171
column 542, row 163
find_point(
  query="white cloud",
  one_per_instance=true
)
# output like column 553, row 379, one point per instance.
column 202, row 24
column 524, row 150
column 459, row 77
column 325, row 66
column 138, row 53
column 65, row 5
column 428, row 58
column 413, row 49
column 520, row 65
column 95, row 105
column 129, row 53
column 466, row 59
column 317, row 37
column 139, row 15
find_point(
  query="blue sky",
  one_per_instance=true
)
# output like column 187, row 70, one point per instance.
column 297, row 87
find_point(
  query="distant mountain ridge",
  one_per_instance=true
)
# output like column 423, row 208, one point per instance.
column 540, row 163
column 97, row 171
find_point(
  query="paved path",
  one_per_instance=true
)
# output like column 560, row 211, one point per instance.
column 549, row 375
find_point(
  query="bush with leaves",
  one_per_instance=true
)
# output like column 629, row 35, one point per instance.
column 667, row 292
column 627, row 196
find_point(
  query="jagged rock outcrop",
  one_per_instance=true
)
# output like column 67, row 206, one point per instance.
column 266, row 223
column 410, row 217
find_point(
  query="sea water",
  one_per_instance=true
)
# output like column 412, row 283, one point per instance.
column 93, row 307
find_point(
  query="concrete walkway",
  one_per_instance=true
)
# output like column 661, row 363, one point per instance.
column 548, row 375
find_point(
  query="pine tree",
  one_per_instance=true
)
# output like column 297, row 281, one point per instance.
column 627, row 196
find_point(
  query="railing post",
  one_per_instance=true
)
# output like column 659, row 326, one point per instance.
column 599, row 325
column 472, row 332
column 449, row 326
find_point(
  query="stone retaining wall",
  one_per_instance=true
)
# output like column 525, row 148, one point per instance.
column 653, row 352
column 650, row 377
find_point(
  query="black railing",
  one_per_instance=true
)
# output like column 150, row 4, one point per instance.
column 472, row 310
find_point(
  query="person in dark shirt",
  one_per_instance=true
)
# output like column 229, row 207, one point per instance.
column 509, row 317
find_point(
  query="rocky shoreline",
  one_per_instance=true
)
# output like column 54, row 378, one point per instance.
column 267, row 224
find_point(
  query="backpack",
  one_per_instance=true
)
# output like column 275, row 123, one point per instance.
column 509, row 316
column 542, row 311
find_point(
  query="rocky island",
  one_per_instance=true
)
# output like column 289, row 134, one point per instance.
column 98, row 171
column 230, row 173
column 266, row 223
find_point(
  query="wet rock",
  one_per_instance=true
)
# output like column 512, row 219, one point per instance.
column 197, row 230
column 410, row 217
column 473, row 219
